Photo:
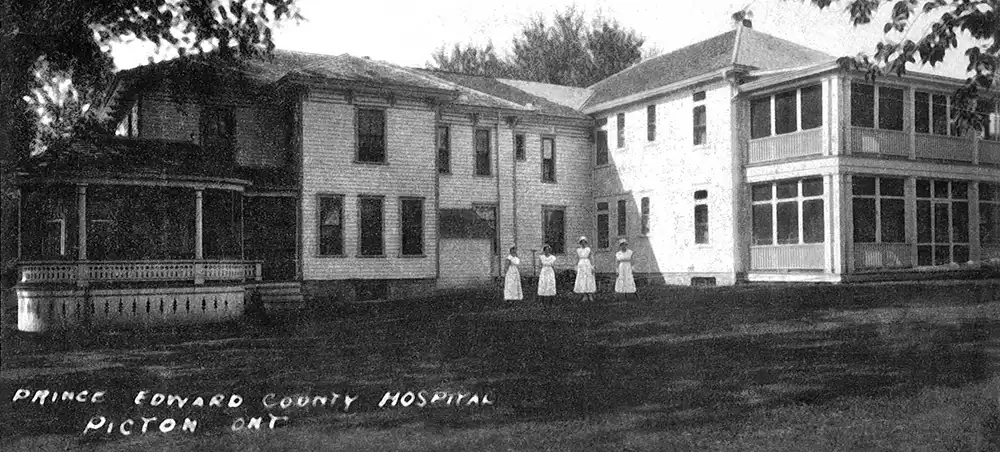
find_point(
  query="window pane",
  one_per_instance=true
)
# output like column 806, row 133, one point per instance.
column 548, row 160
column 960, row 222
column 371, row 135
column 698, row 96
column 519, row 145
column 645, row 215
column 939, row 114
column 331, row 226
column 987, row 223
column 961, row 253
column 412, row 213
column 785, row 113
column 923, row 188
column 893, row 220
column 862, row 185
column 788, row 222
column 651, row 122
column 760, row 192
column 942, row 254
column 922, row 113
column 444, row 150
column 890, row 186
column 924, row 222
column 555, row 232
column 812, row 221
column 370, row 211
column 864, row 220
column 603, row 240
column 942, row 223
column 760, row 117
column 700, row 130
column 940, row 189
column 812, row 187
column 788, row 189
column 960, row 190
column 862, row 105
column 762, row 225
column 621, row 217
column 482, row 152
column 621, row 130
column 602, row 147
column 701, row 224
column 812, row 107
column 890, row 108
column 987, row 192
column 602, row 206
column 703, row 194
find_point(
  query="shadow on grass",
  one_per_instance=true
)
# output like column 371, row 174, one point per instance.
column 679, row 356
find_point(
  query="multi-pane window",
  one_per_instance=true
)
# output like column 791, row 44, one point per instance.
column 622, row 218
column 932, row 113
column 602, row 148
column 788, row 212
column 990, row 114
column 621, row 130
column 651, row 123
column 603, row 228
column 701, row 217
column 477, row 222
column 519, row 146
column 942, row 222
column 555, row 228
column 699, row 119
column 880, row 109
column 371, row 135
column 644, row 211
column 331, row 225
column 129, row 125
column 370, row 241
column 444, row 149
column 989, row 214
column 879, row 209
column 411, row 225
column 787, row 115
column 483, row 166
column 548, row 159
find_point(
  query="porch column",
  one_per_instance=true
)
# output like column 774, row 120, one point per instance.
column 81, row 233
column 831, row 217
column 846, row 210
column 975, row 247
column 199, row 268
column 910, row 222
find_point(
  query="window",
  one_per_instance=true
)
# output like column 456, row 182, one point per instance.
column 879, row 210
column 548, row 160
column 698, row 96
column 621, row 216
column 939, row 114
column 371, row 135
column 478, row 222
column 555, row 229
column 603, row 231
column 129, row 125
column 990, row 114
column 788, row 212
column 651, row 123
column 884, row 105
column 700, row 126
column 218, row 133
column 519, row 144
column 644, row 208
column 701, row 217
column 989, row 214
column 483, row 167
column 602, row 148
column 411, row 219
column 931, row 113
column 942, row 222
column 331, row 225
column 621, row 130
column 444, row 149
column 787, row 117
column 370, row 225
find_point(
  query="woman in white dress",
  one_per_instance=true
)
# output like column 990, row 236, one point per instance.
column 547, row 276
column 585, row 283
column 512, row 282
column 625, row 282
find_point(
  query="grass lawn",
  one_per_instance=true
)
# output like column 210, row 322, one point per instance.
column 907, row 366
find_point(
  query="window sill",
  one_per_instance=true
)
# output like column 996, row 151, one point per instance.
column 444, row 173
column 698, row 147
column 549, row 182
column 363, row 162
column 412, row 256
column 370, row 256
column 330, row 256
column 484, row 176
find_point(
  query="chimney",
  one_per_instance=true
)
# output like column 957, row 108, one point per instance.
column 748, row 23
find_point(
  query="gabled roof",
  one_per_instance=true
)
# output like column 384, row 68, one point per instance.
column 511, row 93
column 741, row 47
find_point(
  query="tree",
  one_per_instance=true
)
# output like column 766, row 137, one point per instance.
column 55, row 64
column 905, row 41
column 568, row 50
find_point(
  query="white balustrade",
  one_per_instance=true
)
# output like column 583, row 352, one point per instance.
column 138, row 271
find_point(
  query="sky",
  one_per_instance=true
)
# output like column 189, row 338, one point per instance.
column 408, row 32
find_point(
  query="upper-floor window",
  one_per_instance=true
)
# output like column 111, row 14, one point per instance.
column 880, row 108
column 218, row 132
column 931, row 113
column 129, row 125
column 644, row 212
column 519, row 145
column 603, row 230
column 331, row 225
column 371, row 135
column 602, row 148
column 699, row 119
column 788, row 116
column 701, row 217
column 621, row 130
column 483, row 167
column 548, row 159
column 991, row 121
column 444, row 149
column 651, row 123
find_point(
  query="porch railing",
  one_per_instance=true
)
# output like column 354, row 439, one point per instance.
column 882, row 255
column 879, row 141
column 82, row 272
column 792, row 145
column 989, row 152
column 940, row 147
column 787, row 257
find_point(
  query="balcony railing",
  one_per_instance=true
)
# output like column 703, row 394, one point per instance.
column 787, row 257
column 792, row 145
column 882, row 255
column 877, row 141
column 940, row 147
column 196, row 271
column 989, row 152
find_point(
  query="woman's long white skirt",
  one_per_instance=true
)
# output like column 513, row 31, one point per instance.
column 512, row 284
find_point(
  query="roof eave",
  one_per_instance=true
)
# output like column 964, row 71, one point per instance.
column 707, row 77
column 327, row 82
column 787, row 76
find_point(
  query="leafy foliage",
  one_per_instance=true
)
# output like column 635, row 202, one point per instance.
column 568, row 50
